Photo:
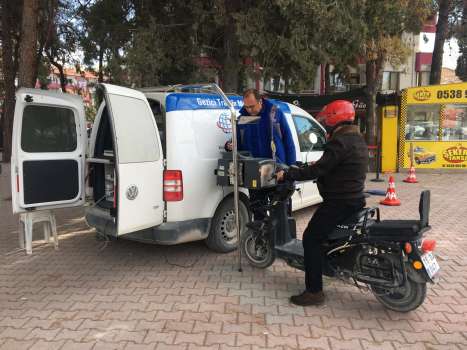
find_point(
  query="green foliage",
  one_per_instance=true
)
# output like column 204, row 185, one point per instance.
column 386, row 20
column 105, row 30
column 90, row 112
column 164, row 43
column 58, row 34
column 43, row 71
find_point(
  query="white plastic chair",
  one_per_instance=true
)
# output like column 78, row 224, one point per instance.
column 27, row 221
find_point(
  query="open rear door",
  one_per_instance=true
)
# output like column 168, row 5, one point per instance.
column 48, row 151
column 138, row 159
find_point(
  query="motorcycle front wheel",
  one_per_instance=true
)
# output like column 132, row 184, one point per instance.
column 258, row 250
column 404, row 299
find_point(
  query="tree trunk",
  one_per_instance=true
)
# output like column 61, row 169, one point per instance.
column 461, row 68
column 28, row 47
column 231, row 57
column 276, row 81
column 374, row 74
column 9, row 74
column 445, row 7
column 286, row 83
column 63, row 81
column 327, row 79
column 100, row 78
column 44, row 38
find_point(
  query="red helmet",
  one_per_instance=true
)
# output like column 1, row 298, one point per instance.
column 336, row 112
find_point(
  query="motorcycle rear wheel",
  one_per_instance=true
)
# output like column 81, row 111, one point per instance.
column 258, row 250
column 404, row 299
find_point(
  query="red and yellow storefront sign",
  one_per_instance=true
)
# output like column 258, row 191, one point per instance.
column 440, row 94
column 433, row 124
column 445, row 155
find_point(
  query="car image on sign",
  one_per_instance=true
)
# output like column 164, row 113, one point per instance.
column 423, row 157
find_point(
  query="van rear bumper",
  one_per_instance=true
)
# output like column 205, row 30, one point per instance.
column 101, row 220
column 168, row 233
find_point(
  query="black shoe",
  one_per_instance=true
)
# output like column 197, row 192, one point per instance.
column 308, row 299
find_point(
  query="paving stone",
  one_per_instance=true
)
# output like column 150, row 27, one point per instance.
column 127, row 296
column 47, row 345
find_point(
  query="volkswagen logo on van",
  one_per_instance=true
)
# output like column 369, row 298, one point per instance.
column 132, row 192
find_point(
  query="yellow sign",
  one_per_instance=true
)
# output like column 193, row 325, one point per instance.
column 456, row 154
column 422, row 95
column 389, row 139
column 433, row 155
column 390, row 112
column 449, row 93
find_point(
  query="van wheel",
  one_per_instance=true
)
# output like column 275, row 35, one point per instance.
column 222, row 237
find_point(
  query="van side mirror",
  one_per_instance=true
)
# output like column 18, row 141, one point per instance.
column 313, row 138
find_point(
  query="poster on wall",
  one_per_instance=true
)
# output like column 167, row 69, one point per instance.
column 433, row 155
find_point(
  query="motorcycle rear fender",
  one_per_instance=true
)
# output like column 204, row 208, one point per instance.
column 418, row 276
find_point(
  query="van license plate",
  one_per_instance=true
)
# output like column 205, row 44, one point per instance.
column 430, row 263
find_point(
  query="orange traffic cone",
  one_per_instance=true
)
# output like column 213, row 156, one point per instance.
column 412, row 179
column 391, row 198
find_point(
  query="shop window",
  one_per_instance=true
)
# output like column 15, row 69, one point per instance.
column 454, row 123
column 390, row 81
column 422, row 122
column 423, row 78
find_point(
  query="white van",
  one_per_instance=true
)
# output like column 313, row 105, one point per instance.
column 148, row 171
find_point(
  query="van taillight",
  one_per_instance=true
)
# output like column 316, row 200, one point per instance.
column 173, row 185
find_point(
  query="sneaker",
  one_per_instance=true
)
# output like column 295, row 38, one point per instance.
column 308, row 298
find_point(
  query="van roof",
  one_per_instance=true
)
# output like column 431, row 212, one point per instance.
column 193, row 101
column 177, row 101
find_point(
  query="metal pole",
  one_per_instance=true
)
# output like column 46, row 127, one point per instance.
column 378, row 149
column 378, row 165
column 233, row 119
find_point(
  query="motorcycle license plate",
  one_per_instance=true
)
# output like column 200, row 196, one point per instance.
column 430, row 263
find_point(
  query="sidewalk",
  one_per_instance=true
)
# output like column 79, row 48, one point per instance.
column 126, row 295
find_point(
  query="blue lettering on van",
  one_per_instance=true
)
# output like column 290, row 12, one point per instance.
column 187, row 101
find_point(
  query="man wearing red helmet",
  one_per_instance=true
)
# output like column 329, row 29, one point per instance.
column 341, row 173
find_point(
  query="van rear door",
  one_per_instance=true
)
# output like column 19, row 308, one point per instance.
column 48, row 151
column 138, row 160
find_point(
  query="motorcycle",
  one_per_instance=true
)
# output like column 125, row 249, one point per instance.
column 391, row 258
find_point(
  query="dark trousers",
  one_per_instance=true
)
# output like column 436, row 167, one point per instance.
column 324, row 221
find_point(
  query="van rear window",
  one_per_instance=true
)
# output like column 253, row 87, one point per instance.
column 135, row 130
column 48, row 129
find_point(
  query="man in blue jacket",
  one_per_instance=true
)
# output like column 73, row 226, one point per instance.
column 271, row 133
column 270, row 137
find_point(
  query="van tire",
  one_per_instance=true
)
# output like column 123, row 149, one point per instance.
column 222, row 237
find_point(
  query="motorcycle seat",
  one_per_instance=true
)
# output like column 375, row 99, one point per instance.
column 403, row 230
column 395, row 230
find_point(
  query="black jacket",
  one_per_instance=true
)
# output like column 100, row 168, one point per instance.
column 341, row 171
